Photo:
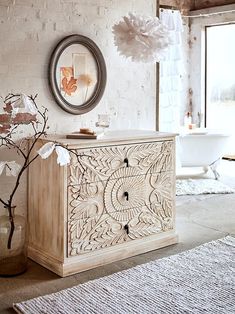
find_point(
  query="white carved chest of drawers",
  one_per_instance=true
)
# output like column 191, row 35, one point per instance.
column 117, row 201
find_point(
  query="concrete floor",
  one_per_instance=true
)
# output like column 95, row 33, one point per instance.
column 199, row 219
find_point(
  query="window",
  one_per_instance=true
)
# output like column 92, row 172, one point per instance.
column 220, row 77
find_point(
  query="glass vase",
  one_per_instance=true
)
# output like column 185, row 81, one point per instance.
column 13, row 260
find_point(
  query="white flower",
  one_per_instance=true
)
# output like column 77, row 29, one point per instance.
column 24, row 104
column 142, row 38
column 63, row 157
column 12, row 168
column 46, row 150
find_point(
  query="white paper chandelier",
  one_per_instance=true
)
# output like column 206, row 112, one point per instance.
column 142, row 38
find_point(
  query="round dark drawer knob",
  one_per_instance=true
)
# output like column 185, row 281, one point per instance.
column 126, row 194
column 126, row 162
column 126, row 227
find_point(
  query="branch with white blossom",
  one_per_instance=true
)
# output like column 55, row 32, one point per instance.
column 22, row 110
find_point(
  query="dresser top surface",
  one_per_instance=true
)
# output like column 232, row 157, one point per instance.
column 114, row 137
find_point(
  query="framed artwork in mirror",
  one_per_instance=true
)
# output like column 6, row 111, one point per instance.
column 77, row 74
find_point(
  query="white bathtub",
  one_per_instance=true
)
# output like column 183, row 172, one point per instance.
column 201, row 149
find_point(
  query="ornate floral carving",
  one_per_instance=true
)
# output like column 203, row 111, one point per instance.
column 106, row 232
column 164, row 159
column 145, row 224
column 86, row 200
column 105, row 195
column 161, row 198
column 100, row 163
column 120, row 206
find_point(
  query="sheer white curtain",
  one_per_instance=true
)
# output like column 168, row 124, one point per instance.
column 171, row 71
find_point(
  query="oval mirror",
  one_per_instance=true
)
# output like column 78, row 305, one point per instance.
column 77, row 74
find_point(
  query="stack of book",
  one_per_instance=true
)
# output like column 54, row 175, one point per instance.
column 84, row 133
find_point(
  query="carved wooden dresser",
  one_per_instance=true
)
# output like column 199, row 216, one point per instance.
column 117, row 201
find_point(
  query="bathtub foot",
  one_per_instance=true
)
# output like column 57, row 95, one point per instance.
column 213, row 167
column 216, row 174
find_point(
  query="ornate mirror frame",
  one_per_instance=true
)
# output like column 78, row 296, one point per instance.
column 101, row 78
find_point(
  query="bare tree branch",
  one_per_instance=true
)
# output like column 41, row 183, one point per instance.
column 8, row 142
column 39, row 127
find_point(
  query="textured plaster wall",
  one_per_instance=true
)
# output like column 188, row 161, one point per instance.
column 185, row 75
column 30, row 29
column 197, row 53
column 172, row 113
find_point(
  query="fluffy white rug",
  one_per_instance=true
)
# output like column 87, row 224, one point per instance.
column 201, row 280
column 201, row 186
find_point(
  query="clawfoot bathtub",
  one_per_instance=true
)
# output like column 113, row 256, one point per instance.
column 204, row 149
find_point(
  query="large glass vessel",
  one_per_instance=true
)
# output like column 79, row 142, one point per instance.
column 13, row 252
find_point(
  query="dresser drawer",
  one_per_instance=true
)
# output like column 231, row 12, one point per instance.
column 118, row 195
column 99, row 232
column 98, row 164
column 87, row 235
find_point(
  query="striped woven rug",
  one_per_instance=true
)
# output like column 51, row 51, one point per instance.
column 201, row 280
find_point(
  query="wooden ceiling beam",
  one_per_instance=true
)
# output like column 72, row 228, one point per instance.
column 203, row 4
column 188, row 5
column 184, row 6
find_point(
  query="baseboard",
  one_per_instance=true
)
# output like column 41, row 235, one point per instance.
column 76, row 264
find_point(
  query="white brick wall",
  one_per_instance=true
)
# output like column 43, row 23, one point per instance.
column 29, row 30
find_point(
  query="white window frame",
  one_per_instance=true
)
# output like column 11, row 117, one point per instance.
column 197, row 53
